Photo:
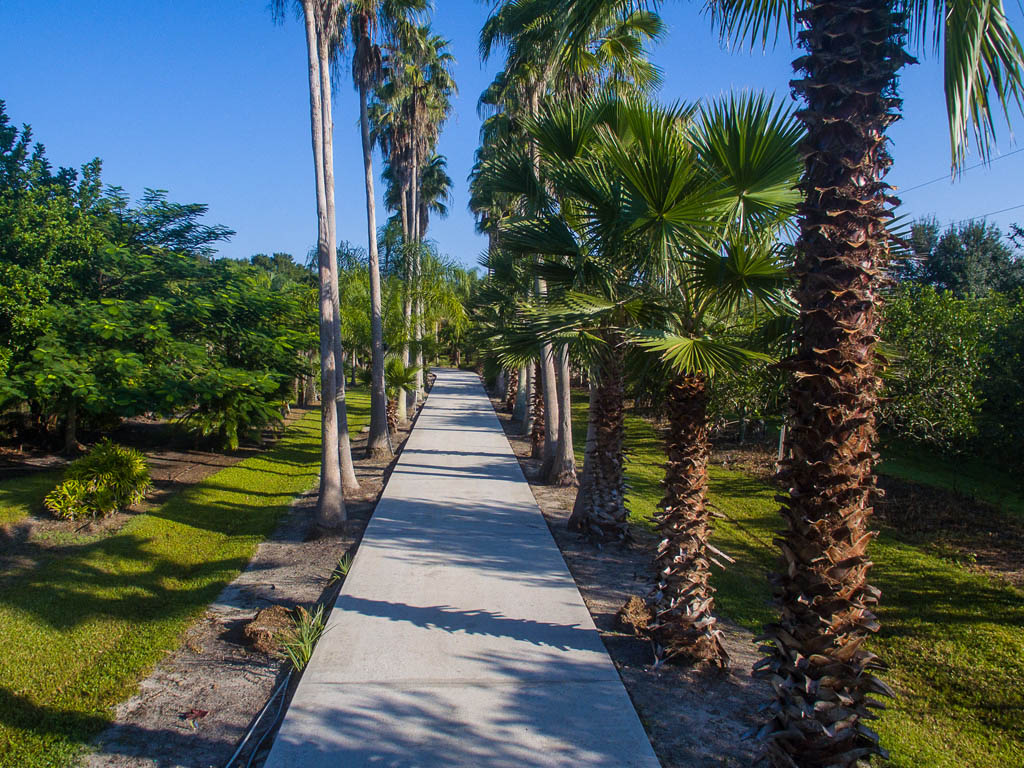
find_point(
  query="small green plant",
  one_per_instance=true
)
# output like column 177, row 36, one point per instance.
column 342, row 568
column 110, row 477
column 298, row 648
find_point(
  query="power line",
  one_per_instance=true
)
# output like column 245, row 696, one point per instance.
column 993, row 213
column 969, row 168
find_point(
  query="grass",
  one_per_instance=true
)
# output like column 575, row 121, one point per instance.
column 23, row 496
column 79, row 630
column 954, row 640
column 964, row 475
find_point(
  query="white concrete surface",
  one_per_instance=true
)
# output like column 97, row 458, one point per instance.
column 460, row 638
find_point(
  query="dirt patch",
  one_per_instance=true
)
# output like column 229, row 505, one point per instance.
column 965, row 530
column 694, row 716
column 199, row 702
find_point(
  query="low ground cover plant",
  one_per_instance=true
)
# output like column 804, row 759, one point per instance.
column 109, row 478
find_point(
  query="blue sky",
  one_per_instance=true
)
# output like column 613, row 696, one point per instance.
column 208, row 100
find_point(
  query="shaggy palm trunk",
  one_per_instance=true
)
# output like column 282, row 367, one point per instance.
column 528, row 392
column 512, row 391
column 331, row 504
column 601, row 514
column 392, row 413
column 563, row 468
column 820, row 670
column 377, row 444
column 500, row 384
column 549, row 389
column 683, row 603
column 348, row 470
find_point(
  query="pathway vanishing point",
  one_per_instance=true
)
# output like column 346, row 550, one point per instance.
column 459, row 638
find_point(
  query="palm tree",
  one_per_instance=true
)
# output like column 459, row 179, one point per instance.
column 607, row 55
column 666, row 254
column 398, row 379
column 852, row 53
column 367, row 16
column 331, row 503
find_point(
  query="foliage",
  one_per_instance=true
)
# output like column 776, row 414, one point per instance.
column 110, row 310
column 953, row 383
column 931, row 392
column 342, row 568
column 969, row 259
column 109, row 478
column 398, row 376
column 307, row 629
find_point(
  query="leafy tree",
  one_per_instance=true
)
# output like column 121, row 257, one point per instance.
column 969, row 259
column 938, row 343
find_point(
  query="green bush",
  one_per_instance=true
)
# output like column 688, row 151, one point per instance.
column 110, row 477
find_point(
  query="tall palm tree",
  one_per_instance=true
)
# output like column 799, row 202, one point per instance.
column 367, row 18
column 331, row 503
column 607, row 54
column 331, row 21
column 853, row 51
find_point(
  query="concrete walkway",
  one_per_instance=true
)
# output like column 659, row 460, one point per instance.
column 460, row 638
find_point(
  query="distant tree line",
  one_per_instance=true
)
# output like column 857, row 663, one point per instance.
column 111, row 309
column 953, row 342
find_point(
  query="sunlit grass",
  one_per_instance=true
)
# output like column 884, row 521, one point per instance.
column 82, row 627
column 23, row 496
column 954, row 640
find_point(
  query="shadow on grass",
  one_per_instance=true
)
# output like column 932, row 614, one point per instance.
column 81, row 625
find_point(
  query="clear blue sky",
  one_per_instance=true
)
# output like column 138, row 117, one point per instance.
column 208, row 100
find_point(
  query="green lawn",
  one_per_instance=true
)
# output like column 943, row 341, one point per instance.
column 22, row 496
column 82, row 628
column 954, row 640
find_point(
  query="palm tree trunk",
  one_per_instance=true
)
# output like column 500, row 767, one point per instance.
column 602, row 514
column 519, row 407
column 416, row 269
column 684, row 625
column 349, row 482
column 512, row 389
column 404, row 397
column 563, row 469
column 537, row 431
column 821, row 672
column 547, row 365
column 377, row 443
column 531, row 386
column 331, row 504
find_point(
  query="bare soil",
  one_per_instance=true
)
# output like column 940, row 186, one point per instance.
column 199, row 702
column 695, row 716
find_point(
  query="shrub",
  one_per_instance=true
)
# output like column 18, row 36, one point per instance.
column 110, row 477
column 308, row 627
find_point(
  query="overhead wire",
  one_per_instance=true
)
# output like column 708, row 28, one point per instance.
column 969, row 168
